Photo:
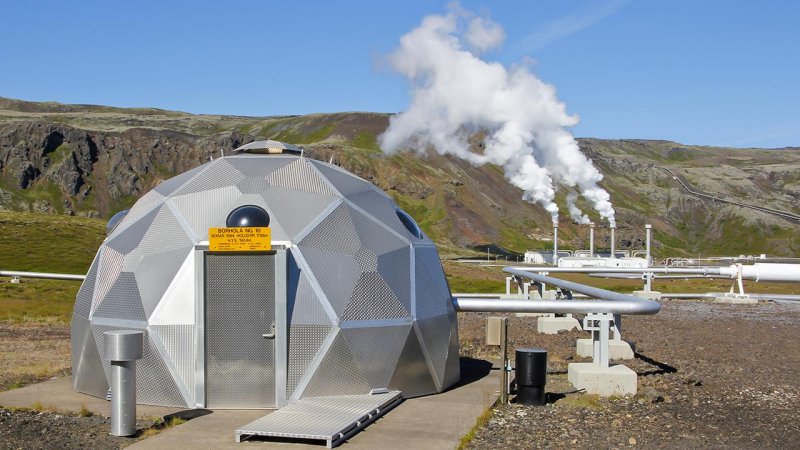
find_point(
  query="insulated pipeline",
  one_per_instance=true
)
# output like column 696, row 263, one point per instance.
column 608, row 301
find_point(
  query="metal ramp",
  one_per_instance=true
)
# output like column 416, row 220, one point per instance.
column 329, row 419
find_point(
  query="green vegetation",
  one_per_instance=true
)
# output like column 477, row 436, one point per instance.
column 48, row 242
column 482, row 420
column 37, row 300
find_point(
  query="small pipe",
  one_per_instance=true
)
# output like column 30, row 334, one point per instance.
column 555, row 243
column 613, row 242
column 647, row 229
column 52, row 276
column 591, row 240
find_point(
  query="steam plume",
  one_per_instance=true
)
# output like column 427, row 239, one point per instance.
column 455, row 93
column 574, row 212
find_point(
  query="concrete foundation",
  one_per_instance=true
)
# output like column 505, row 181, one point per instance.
column 616, row 349
column 647, row 295
column 736, row 299
column 603, row 381
column 552, row 324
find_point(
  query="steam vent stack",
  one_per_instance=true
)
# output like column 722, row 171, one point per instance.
column 350, row 298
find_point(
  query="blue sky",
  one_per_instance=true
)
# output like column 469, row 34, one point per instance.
column 697, row 72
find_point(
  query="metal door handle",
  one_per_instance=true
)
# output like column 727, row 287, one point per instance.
column 269, row 335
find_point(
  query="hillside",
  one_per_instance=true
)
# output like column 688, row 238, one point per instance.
column 92, row 161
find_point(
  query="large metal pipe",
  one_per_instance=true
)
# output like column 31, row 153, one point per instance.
column 765, row 272
column 591, row 239
column 609, row 302
column 707, row 271
column 647, row 229
column 53, row 276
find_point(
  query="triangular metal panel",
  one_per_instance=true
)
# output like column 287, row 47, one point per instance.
column 383, row 209
column 169, row 185
column 83, row 301
column 452, row 368
column 373, row 299
column 178, row 342
column 300, row 176
column 373, row 236
column 128, row 239
column 376, row 350
column 431, row 301
column 367, row 260
column 146, row 204
column 305, row 342
column 344, row 182
column 411, row 373
column 336, row 233
column 122, row 301
column 155, row 384
column 337, row 373
column 395, row 268
column 155, row 274
column 165, row 233
column 304, row 306
column 258, row 165
column 336, row 273
column 177, row 305
column 253, row 185
column 88, row 375
column 218, row 174
column 294, row 210
column 206, row 209
column 435, row 336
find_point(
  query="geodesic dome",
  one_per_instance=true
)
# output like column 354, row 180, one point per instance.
column 362, row 300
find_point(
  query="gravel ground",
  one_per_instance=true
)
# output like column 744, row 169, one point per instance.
column 710, row 376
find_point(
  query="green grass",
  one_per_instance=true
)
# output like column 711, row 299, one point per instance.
column 37, row 300
column 48, row 242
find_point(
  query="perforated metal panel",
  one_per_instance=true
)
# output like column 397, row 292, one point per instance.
column 376, row 350
column 83, row 302
column 305, row 342
column 452, row 368
column 300, row 176
column 382, row 208
column 217, row 174
column 336, row 233
column 122, row 301
column 435, row 333
column 347, row 184
column 206, row 209
column 169, row 186
column 395, row 269
column 411, row 374
column 337, row 274
column 155, row 273
column 304, row 306
column 373, row 299
column 294, row 210
column 257, row 165
column 178, row 343
column 87, row 369
column 127, row 241
column 155, row 384
column 338, row 373
column 239, row 310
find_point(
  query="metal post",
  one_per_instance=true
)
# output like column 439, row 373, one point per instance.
column 508, row 285
column 122, row 349
column 504, row 369
column 555, row 243
column 647, row 229
column 591, row 240
column 613, row 242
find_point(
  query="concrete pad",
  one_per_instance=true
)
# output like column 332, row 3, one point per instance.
column 616, row 349
column 552, row 325
column 58, row 395
column 647, row 295
column 603, row 381
column 736, row 299
column 430, row 422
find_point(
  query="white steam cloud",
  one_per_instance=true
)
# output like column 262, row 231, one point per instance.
column 574, row 212
column 455, row 93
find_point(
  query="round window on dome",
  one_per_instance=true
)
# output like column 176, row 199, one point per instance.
column 409, row 223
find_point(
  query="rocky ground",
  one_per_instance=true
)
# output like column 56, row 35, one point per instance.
column 710, row 376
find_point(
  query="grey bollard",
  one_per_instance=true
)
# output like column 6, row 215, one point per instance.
column 123, row 348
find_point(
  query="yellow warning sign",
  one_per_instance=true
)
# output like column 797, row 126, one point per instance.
column 241, row 239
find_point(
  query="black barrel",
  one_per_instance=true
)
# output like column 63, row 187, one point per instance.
column 531, row 375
